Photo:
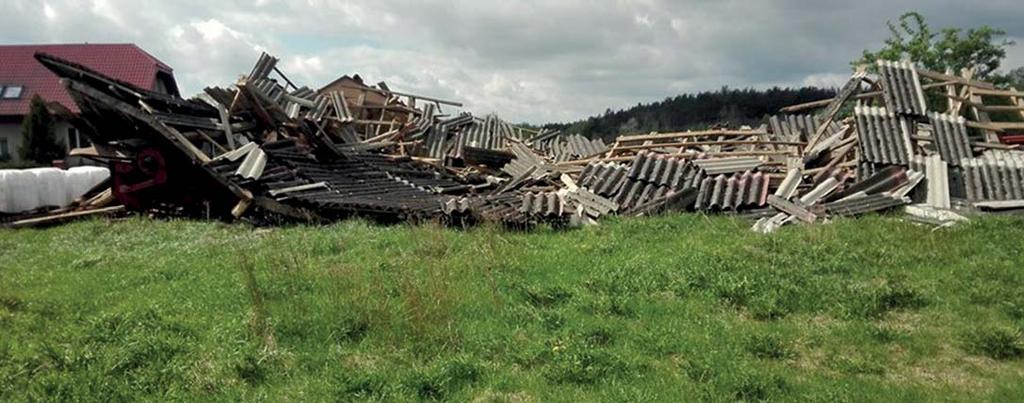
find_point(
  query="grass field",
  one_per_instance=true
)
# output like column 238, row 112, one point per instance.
column 673, row 308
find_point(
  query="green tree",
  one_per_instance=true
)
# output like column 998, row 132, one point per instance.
column 39, row 143
column 982, row 48
column 1012, row 79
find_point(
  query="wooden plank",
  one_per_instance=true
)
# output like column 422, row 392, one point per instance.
column 996, row 146
column 691, row 134
column 980, row 116
column 279, row 208
column 983, row 126
column 1000, row 205
column 792, row 209
column 1006, row 126
column 58, row 218
column 995, row 92
column 1017, row 101
column 383, row 92
column 863, row 95
column 934, row 75
column 710, row 143
column 1001, row 108
column 850, row 89
column 686, row 154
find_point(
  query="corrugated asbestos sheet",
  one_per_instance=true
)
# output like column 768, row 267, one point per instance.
column 526, row 161
column 270, row 92
column 733, row 192
column 574, row 146
column 950, row 135
column 506, row 207
column 450, row 137
column 718, row 166
column 359, row 183
column 884, row 137
column 592, row 204
column 437, row 143
column 487, row 157
column 652, row 176
column 794, row 127
column 901, row 88
column 865, row 204
column 994, row 176
column 935, row 190
column 555, row 204
column 542, row 204
column 489, row 132
column 603, row 178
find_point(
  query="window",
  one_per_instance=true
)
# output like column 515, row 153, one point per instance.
column 76, row 139
column 12, row 91
column 4, row 152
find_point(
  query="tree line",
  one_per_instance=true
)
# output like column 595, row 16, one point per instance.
column 724, row 107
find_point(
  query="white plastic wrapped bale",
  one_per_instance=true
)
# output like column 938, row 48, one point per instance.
column 30, row 189
column 51, row 185
column 17, row 191
column 81, row 179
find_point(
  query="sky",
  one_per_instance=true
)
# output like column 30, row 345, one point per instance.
column 528, row 61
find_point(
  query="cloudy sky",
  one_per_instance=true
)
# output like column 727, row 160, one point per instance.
column 535, row 61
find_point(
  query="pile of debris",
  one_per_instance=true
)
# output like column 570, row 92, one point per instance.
column 268, row 151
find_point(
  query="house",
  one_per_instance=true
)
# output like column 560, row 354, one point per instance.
column 356, row 92
column 22, row 77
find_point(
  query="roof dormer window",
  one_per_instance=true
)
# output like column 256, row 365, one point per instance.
column 11, row 91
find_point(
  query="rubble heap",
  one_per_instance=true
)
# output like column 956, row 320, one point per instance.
column 267, row 151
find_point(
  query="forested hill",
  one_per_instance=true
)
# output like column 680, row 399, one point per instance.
column 727, row 106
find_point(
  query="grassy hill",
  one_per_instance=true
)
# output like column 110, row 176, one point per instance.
column 672, row 308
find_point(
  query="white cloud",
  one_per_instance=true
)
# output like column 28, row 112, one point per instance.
column 532, row 60
column 49, row 12
column 826, row 80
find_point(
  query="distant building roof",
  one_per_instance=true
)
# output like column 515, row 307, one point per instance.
column 125, row 62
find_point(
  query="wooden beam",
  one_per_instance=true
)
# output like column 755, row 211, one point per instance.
column 863, row 95
column 792, row 209
column 1001, row 108
column 982, row 126
column 850, row 89
column 692, row 134
column 1017, row 101
column 383, row 92
column 994, row 92
column 58, row 218
column 934, row 75
column 709, row 143
column 685, row 154
column 1007, row 126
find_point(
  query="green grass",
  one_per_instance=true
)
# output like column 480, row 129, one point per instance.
column 674, row 308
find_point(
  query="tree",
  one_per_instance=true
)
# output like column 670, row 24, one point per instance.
column 39, row 143
column 1013, row 79
column 951, row 48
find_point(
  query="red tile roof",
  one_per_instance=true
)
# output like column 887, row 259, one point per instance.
column 18, row 66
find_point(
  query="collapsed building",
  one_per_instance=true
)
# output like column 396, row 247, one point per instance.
column 267, row 151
